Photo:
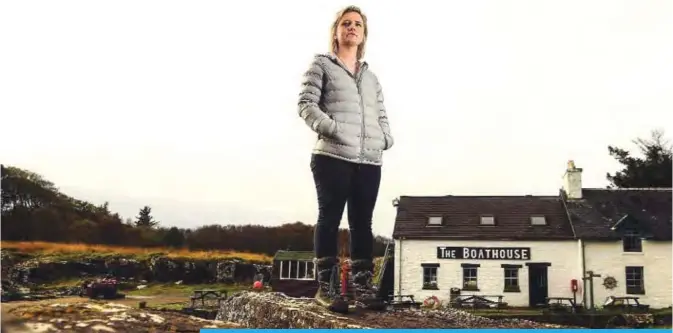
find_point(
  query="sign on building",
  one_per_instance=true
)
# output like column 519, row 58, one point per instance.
column 484, row 253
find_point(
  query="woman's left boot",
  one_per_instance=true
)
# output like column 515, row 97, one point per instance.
column 365, row 291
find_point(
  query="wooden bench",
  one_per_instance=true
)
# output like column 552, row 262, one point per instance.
column 625, row 303
column 404, row 301
column 558, row 304
column 479, row 301
column 202, row 295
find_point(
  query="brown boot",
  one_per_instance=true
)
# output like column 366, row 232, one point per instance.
column 328, row 295
column 365, row 292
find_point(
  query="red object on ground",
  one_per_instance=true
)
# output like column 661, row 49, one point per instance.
column 344, row 278
column 257, row 285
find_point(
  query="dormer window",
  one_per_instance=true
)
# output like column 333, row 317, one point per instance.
column 632, row 241
column 538, row 220
column 435, row 220
column 487, row 220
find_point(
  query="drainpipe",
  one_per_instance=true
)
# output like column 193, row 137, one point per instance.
column 563, row 198
column 399, row 270
column 584, row 272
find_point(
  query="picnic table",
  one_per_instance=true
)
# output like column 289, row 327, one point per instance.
column 403, row 301
column 625, row 302
column 479, row 301
column 559, row 303
column 202, row 295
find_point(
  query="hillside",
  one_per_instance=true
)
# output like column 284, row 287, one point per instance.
column 47, row 251
column 34, row 209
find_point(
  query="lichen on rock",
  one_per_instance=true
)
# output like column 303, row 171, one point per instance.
column 276, row 310
column 102, row 317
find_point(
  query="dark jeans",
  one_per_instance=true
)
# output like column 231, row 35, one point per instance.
column 339, row 183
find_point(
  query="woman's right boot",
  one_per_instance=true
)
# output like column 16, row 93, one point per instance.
column 332, row 302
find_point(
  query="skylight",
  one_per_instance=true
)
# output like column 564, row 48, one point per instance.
column 488, row 220
column 435, row 220
column 538, row 220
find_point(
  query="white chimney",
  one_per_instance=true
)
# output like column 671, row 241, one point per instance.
column 572, row 181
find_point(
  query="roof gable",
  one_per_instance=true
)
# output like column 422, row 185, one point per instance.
column 512, row 218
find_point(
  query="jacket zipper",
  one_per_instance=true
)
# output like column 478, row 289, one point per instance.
column 362, row 113
column 358, row 78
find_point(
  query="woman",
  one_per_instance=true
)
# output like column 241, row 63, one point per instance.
column 342, row 102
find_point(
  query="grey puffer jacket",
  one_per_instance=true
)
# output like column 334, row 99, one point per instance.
column 346, row 111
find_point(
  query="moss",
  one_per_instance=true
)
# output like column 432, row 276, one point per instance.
column 174, row 306
column 61, row 283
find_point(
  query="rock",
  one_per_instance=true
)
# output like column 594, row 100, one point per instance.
column 157, row 268
column 225, row 271
column 10, row 291
column 635, row 320
column 104, row 317
column 126, row 268
column 275, row 310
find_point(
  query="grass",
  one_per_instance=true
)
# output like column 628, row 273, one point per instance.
column 175, row 306
column 59, row 283
column 70, row 251
column 179, row 289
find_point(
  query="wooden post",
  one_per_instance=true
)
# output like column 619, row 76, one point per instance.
column 590, row 279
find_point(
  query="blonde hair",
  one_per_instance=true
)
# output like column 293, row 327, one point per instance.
column 334, row 43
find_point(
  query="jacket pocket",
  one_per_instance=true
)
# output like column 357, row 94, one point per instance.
column 327, row 128
column 383, row 140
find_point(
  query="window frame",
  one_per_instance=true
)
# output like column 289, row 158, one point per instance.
column 285, row 266
column 634, row 239
column 430, row 284
column 467, row 279
column 512, row 288
column 636, row 271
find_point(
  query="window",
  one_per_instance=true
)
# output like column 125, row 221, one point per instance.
column 488, row 220
column 297, row 270
column 430, row 276
column 470, row 277
column 632, row 241
column 538, row 220
column 435, row 220
column 635, row 283
column 511, row 278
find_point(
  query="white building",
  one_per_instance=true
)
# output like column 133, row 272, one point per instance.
column 624, row 235
column 527, row 248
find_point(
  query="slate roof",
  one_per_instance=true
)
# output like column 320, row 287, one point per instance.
column 462, row 214
column 600, row 209
column 293, row 255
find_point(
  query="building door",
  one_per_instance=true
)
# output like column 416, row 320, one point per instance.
column 537, row 284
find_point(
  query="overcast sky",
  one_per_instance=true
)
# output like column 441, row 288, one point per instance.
column 191, row 106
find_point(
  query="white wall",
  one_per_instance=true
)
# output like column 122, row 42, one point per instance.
column 608, row 258
column 563, row 256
